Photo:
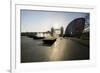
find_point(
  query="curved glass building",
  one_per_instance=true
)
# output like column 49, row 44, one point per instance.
column 75, row 27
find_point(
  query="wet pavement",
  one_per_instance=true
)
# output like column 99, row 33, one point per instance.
column 63, row 49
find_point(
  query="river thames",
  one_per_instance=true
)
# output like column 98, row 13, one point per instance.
column 64, row 49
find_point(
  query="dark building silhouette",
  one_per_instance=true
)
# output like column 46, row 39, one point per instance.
column 75, row 28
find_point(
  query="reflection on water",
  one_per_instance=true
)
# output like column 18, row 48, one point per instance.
column 57, row 51
column 63, row 49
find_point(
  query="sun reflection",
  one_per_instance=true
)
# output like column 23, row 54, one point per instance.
column 57, row 52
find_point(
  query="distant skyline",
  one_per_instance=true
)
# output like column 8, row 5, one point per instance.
column 42, row 21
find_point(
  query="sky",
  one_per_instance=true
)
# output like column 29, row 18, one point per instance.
column 42, row 21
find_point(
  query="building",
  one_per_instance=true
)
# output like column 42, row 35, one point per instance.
column 75, row 27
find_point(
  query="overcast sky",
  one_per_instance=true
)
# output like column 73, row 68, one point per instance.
column 41, row 21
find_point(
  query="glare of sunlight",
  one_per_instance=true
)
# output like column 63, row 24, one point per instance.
column 57, row 52
column 56, row 26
